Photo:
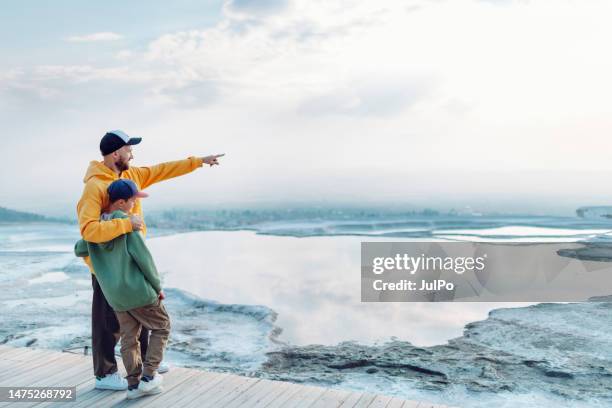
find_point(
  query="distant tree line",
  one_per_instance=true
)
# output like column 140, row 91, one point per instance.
column 8, row 215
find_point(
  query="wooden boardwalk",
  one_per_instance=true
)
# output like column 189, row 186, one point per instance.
column 27, row 367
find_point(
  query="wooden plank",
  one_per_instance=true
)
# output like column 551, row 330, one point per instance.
column 25, row 354
column 85, row 382
column 395, row 403
column 102, row 398
column 65, row 378
column 19, row 354
column 75, row 372
column 95, row 397
column 215, row 393
column 245, row 384
column 75, row 377
column 37, row 378
column 203, row 382
column 9, row 369
column 267, row 400
column 25, row 350
column 255, row 394
column 37, row 368
column 351, row 400
column 331, row 398
column 86, row 385
column 11, row 349
column 173, row 384
column 182, row 387
column 380, row 401
column 6, row 348
column 107, row 398
column 291, row 391
column 172, row 396
column 365, row 400
column 90, row 393
column 92, row 396
column 40, row 365
column 15, row 357
column 305, row 396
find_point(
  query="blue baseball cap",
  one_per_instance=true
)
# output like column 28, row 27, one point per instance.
column 116, row 139
column 124, row 189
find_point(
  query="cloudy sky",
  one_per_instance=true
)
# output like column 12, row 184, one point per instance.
column 496, row 104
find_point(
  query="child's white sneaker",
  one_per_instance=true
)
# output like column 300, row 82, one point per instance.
column 163, row 367
column 151, row 384
column 139, row 392
column 112, row 381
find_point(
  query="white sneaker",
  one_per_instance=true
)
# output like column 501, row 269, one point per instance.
column 147, row 386
column 163, row 367
column 112, row 381
column 139, row 392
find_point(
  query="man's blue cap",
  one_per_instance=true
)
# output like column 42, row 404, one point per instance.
column 124, row 189
column 116, row 139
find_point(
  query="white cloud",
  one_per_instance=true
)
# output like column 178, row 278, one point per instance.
column 331, row 92
column 302, row 51
column 354, row 56
column 369, row 97
column 95, row 37
column 124, row 54
column 85, row 73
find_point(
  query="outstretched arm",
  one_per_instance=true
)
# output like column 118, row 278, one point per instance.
column 145, row 176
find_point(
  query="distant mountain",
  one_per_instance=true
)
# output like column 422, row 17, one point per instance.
column 8, row 215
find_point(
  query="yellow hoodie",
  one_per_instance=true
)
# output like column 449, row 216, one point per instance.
column 95, row 198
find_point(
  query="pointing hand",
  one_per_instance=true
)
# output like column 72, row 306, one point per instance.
column 212, row 160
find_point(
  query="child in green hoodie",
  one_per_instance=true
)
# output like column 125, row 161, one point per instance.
column 130, row 282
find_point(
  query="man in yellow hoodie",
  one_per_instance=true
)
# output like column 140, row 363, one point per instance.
column 116, row 149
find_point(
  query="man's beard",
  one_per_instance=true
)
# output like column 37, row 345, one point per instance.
column 122, row 165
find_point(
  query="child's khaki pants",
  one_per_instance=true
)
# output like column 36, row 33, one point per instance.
column 153, row 317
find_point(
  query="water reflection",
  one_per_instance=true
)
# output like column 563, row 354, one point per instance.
column 313, row 283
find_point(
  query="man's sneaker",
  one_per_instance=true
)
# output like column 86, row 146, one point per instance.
column 163, row 367
column 138, row 392
column 111, row 382
column 146, row 385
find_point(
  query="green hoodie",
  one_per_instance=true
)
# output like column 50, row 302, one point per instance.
column 124, row 268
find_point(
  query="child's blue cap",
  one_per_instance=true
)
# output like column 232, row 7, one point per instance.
column 124, row 189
